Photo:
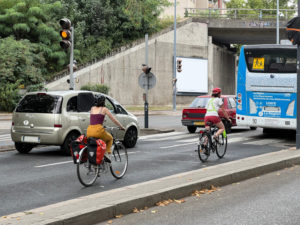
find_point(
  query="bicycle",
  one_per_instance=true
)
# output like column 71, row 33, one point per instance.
column 88, row 173
column 207, row 143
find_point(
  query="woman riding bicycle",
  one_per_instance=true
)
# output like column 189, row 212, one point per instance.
column 212, row 115
column 96, row 129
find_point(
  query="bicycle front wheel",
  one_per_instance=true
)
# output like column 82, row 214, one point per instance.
column 221, row 146
column 119, row 161
column 87, row 173
column 204, row 147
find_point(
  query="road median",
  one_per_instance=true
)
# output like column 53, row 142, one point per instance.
column 105, row 205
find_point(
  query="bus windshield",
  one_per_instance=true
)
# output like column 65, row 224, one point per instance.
column 269, row 60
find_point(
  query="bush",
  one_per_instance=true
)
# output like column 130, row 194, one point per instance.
column 9, row 96
column 96, row 87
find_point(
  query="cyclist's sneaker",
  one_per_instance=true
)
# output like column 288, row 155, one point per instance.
column 216, row 138
column 206, row 151
column 107, row 157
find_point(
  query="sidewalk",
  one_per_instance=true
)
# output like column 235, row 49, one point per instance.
column 102, row 206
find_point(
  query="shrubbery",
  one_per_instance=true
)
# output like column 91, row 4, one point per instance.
column 96, row 87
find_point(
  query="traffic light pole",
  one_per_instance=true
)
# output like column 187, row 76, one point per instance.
column 174, row 61
column 146, row 107
column 72, row 86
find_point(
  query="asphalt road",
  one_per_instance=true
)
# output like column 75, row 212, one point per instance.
column 270, row 199
column 44, row 176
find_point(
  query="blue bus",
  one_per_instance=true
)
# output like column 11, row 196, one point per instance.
column 267, row 86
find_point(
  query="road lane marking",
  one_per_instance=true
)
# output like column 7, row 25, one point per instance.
column 54, row 164
column 172, row 138
column 160, row 135
column 65, row 162
column 173, row 146
column 194, row 141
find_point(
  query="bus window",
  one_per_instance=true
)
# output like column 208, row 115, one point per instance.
column 271, row 60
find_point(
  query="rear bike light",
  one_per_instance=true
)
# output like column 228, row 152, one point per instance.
column 201, row 131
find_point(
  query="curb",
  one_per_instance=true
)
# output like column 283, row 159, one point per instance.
column 102, row 206
column 148, row 131
column 7, row 148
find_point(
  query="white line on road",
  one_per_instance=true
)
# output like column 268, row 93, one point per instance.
column 54, row 164
column 173, row 146
column 159, row 135
column 65, row 162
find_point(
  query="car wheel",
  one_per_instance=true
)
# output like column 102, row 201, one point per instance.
column 65, row 148
column 23, row 148
column 191, row 129
column 130, row 138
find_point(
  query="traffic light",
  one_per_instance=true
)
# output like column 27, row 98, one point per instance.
column 179, row 65
column 146, row 69
column 65, row 33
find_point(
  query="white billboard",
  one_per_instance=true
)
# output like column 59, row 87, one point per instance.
column 194, row 75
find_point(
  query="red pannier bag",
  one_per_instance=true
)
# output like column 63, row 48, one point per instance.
column 96, row 150
column 76, row 146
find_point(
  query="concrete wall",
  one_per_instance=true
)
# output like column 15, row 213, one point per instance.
column 121, row 71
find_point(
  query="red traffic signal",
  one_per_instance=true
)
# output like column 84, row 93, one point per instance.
column 179, row 65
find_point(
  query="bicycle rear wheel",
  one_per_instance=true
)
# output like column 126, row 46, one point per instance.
column 204, row 147
column 119, row 161
column 221, row 146
column 87, row 173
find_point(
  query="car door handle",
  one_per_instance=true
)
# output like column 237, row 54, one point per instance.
column 82, row 119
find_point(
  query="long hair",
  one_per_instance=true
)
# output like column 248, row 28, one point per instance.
column 100, row 101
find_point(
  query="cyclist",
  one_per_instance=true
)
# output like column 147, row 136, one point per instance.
column 212, row 115
column 96, row 129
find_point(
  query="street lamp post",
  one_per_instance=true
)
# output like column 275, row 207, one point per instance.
column 174, row 60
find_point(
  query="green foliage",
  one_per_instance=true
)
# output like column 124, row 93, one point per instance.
column 9, row 96
column 29, row 34
column 102, row 88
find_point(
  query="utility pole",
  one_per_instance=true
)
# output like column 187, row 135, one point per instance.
column 277, row 23
column 146, row 106
column 174, row 60
column 298, row 90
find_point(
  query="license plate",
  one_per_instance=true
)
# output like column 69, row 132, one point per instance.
column 198, row 123
column 271, row 109
column 30, row 139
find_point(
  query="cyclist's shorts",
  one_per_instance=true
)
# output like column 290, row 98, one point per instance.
column 212, row 119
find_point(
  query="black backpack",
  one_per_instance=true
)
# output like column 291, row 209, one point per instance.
column 293, row 30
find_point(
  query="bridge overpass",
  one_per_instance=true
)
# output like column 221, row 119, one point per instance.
column 242, row 26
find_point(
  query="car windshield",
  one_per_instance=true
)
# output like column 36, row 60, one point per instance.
column 40, row 103
column 199, row 102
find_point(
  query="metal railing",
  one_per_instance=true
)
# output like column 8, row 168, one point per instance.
column 260, row 14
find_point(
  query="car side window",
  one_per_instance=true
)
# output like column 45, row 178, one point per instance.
column 121, row 110
column 109, row 105
column 72, row 104
column 232, row 102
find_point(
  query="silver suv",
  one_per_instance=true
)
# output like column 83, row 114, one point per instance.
column 58, row 117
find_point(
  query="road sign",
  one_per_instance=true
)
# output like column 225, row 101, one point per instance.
column 143, row 80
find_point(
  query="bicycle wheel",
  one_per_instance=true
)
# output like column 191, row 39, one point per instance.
column 221, row 146
column 204, row 147
column 119, row 161
column 87, row 173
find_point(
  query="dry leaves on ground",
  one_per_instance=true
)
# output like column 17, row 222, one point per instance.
column 119, row 216
column 205, row 191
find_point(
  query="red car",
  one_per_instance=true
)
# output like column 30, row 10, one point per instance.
column 193, row 116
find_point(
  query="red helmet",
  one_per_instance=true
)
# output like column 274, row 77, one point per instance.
column 216, row 90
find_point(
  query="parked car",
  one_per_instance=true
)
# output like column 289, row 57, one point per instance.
column 193, row 116
column 58, row 117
